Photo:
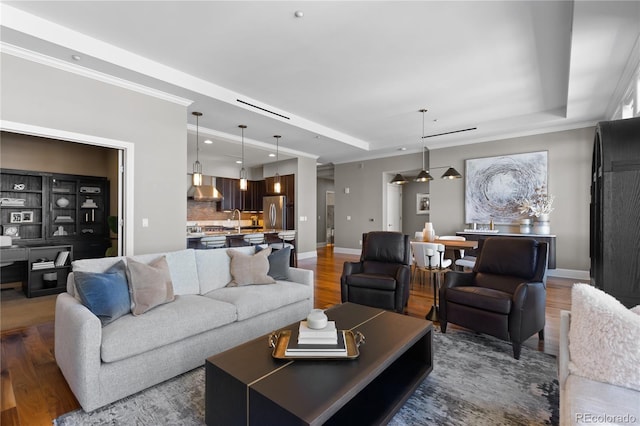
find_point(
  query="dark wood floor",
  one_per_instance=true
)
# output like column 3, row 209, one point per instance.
column 34, row 392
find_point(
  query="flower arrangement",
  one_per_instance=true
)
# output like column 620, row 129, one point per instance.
column 538, row 205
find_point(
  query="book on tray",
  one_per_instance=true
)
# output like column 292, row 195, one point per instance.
column 328, row 332
column 294, row 348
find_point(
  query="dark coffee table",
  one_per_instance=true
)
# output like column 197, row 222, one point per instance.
column 247, row 386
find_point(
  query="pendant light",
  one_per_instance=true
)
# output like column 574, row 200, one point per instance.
column 197, row 167
column 243, row 172
column 451, row 173
column 399, row 180
column 424, row 175
column 276, row 184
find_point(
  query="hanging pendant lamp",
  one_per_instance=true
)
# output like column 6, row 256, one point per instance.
column 451, row 173
column 197, row 167
column 424, row 175
column 399, row 180
column 243, row 172
column 276, row 184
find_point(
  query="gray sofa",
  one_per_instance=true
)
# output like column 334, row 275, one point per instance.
column 586, row 401
column 104, row 364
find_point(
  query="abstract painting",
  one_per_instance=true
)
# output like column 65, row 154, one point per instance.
column 494, row 186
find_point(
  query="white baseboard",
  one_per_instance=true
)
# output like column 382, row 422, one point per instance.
column 569, row 273
column 345, row 250
column 321, row 244
column 307, row 255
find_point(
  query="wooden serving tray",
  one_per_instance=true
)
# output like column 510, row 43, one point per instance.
column 280, row 340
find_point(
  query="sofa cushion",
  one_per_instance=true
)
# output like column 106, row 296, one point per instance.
column 186, row 316
column 254, row 300
column 105, row 294
column 603, row 338
column 150, row 284
column 182, row 264
column 213, row 267
column 585, row 401
column 249, row 269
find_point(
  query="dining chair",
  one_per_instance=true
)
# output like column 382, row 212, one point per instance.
column 459, row 258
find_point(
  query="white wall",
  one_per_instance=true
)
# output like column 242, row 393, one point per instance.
column 48, row 97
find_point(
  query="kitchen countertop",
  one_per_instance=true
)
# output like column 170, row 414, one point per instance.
column 232, row 232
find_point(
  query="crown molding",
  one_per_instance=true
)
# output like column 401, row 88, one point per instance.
column 52, row 62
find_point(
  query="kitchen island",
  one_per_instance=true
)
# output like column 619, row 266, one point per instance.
column 234, row 237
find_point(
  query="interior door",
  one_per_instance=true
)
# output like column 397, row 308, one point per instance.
column 394, row 207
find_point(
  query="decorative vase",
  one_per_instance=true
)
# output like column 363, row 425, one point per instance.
column 525, row 226
column 428, row 235
column 541, row 225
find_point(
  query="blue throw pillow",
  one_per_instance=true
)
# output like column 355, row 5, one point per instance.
column 105, row 294
column 279, row 264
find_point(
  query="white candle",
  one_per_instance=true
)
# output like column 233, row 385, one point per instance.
column 428, row 225
column 440, row 247
column 429, row 252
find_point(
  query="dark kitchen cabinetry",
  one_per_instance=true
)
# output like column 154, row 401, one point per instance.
column 58, row 209
column 254, row 194
column 231, row 194
column 288, row 188
column 615, row 203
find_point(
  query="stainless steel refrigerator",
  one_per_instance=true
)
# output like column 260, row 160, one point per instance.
column 274, row 213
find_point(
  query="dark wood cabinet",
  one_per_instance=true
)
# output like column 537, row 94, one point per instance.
column 287, row 188
column 47, row 269
column 614, row 207
column 56, row 209
column 231, row 194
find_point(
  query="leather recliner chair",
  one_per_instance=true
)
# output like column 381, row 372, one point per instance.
column 504, row 296
column 381, row 277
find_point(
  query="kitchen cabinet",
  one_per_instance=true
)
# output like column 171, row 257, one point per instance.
column 287, row 188
column 255, row 192
column 231, row 194
column 615, row 202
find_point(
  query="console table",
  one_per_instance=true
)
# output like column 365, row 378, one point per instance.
column 549, row 239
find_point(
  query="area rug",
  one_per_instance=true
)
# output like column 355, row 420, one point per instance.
column 475, row 381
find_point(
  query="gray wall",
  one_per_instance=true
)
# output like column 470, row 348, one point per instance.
column 411, row 221
column 305, row 206
column 568, row 179
column 367, row 181
column 43, row 96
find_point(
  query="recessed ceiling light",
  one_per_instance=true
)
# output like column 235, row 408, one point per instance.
column 208, row 141
column 402, row 149
column 76, row 57
column 238, row 161
column 299, row 14
column 272, row 155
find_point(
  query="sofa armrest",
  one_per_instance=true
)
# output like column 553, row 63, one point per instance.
column 305, row 277
column 78, row 337
column 563, row 350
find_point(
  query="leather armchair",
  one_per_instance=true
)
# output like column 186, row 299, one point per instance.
column 381, row 277
column 504, row 296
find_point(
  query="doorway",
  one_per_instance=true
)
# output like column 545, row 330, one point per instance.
column 122, row 173
column 394, row 207
column 330, row 197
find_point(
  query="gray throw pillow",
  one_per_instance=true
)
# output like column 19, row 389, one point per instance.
column 279, row 264
column 249, row 269
column 150, row 284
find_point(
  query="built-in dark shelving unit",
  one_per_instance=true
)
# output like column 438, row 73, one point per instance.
column 615, row 203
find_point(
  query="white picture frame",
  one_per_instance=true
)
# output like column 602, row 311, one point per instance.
column 27, row 216
column 15, row 217
column 423, row 203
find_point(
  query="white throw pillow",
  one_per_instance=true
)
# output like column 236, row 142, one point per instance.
column 604, row 338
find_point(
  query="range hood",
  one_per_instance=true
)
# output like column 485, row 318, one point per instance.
column 205, row 192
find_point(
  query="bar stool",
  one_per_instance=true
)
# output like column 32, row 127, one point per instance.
column 254, row 239
column 213, row 241
column 288, row 239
